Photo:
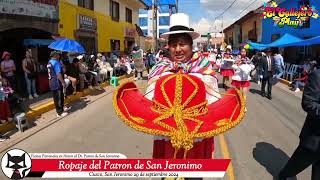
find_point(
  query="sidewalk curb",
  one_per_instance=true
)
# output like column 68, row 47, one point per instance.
column 283, row 81
column 43, row 108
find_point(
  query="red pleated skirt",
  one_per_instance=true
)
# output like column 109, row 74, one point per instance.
column 201, row 150
column 4, row 110
column 227, row 72
column 240, row 84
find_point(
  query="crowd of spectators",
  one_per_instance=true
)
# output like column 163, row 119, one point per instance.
column 79, row 72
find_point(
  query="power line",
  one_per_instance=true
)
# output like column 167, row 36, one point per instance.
column 248, row 6
column 254, row 1
column 226, row 9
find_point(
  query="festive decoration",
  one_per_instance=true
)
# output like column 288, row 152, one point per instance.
column 179, row 110
column 290, row 17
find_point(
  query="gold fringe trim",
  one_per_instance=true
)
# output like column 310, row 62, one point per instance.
column 171, row 134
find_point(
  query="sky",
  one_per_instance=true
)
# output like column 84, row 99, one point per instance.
column 203, row 13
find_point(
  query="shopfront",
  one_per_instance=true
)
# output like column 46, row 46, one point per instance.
column 129, row 39
column 86, row 33
column 32, row 28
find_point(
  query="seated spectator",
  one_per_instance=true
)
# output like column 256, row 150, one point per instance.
column 69, row 80
column 86, row 74
column 299, row 83
column 314, row 65
column 124, row 61
column 105, row 67
column 8, row 69
column 307, row 65
column 118, row 68
column 30, row 71
column 93, row 68
column 74, row 71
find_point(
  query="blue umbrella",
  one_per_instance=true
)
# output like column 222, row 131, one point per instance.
column 67, row 45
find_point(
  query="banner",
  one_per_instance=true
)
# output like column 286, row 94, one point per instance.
column 106, row 165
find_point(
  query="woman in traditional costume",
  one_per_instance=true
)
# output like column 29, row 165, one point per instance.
column 241, row 78
column 182, row 105
column 137, row 57
column 226, row 66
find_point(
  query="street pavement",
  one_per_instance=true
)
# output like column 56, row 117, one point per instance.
column 258, row 147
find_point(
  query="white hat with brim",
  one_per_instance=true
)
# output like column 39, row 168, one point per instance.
column 80, row 57
column 179, row 24
column 193, row 35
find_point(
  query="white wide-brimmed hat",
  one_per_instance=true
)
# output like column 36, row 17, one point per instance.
column 80, row 57
column 180, row 23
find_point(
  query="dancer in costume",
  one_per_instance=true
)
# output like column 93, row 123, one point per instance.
column 226, row 66
column 137, row 56
column 241, row 78
column 182, row 105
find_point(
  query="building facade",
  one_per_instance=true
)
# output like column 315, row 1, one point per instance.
column 247, row 28
column 101, row 26
column 156, row 26
column 28, row 24
column 24, row 21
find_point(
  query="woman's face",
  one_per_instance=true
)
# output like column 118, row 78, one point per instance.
column 180, row 48
column 28, row 54
column 7, row 57
column 227, row 54
column 243, row 53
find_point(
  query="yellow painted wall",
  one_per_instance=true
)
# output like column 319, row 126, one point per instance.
column 106, row 28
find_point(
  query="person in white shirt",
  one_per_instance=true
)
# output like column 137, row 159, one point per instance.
column 241, row 78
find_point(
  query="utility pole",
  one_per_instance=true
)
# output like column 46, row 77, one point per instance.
column 154, row 24
column 222, row 30
column 177, row 6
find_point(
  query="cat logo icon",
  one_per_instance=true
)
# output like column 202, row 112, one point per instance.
column 16, row 164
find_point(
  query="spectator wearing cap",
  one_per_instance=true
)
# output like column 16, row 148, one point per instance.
column 56, row 82
column 8, row 69
column 29, row 68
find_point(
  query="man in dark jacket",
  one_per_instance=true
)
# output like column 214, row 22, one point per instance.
column 268, row 69
column 308, row 151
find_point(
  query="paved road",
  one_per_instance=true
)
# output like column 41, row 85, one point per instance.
column 268, row 135
column 259, row 146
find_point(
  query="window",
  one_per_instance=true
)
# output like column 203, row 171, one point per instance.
column 143, row 11
column 115, row 45
column 164, row 9
column 164, row 20
column 161, row 31
column 128, row 15
column 88, row 4
column 145, row 32
column 114, row 10
column 143, row 21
